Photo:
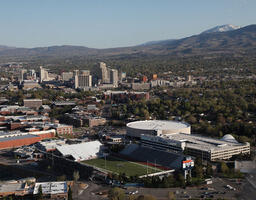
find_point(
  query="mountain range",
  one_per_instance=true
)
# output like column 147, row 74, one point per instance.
column 223, row 28
column 227, row 39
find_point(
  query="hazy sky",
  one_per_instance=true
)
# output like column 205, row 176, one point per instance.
column 113, row 23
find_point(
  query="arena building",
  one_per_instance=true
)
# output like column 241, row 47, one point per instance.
column 156, row 128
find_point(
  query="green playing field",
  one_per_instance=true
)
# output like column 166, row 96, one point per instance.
column 118, row 166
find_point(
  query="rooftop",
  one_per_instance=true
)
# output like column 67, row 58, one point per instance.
column 17, row 137
column 51, row 187
column 11, row 187
column 81, row 151
column 32, row 99
column 158, row 125
column 204, row 143
column 109, row 92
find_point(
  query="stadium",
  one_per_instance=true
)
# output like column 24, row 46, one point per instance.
column 156, row 127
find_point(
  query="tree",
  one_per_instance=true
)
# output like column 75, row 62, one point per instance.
column 69, row 193
column 198, row 169
column 76, row 176
column 146, row 197
column 61, row 178
column 40, row 193
column 224, row 168
column 171, row 196
column 116, row 194
column 209, row 170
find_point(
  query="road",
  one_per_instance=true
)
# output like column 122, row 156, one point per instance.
column 90, row 192
column 249, row 188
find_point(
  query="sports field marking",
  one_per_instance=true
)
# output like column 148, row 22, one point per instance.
column 117, row 165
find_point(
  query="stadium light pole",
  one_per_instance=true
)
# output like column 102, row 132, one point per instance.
column 105, row 161
column 147, row 167
column 155, row 165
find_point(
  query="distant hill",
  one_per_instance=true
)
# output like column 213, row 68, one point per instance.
column 239, row 41
column 3, row 47
column 157, row 42
column 64, row 50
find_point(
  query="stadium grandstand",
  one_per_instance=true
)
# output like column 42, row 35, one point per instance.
column 82, row 151
column 161, row 159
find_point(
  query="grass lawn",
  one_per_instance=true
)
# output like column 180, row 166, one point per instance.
column 117, row 165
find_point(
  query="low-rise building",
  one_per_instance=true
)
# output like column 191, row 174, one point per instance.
column 52, row 190
column 121, row 96
column 140, row 86
column 33, row 103
column 29, row 85
column 63, row 129
column 17, row 138
column 82, row 119
column 17, row 189
column 50, row 145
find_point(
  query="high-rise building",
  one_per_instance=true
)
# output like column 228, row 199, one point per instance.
column 75, row 72
column 76, row 81
column 114, row 77
column 32, row 74
column 144, row 79
column 22, row 73
column 104, row 73
column 43, row 74
column 189, row 78
column 154, row 77
column 67, row 76
column 83, row 80
column 85, row 72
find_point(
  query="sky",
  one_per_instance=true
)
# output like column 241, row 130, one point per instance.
column 114, row 23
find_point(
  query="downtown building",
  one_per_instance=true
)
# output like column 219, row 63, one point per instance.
column 83, row 80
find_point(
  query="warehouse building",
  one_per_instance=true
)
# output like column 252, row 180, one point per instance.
column 17, row 139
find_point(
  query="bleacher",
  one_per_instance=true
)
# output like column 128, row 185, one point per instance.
column 153, row 156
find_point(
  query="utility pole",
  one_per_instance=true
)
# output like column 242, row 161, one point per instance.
column 147, row 167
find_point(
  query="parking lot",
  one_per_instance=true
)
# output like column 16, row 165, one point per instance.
column 216, row 190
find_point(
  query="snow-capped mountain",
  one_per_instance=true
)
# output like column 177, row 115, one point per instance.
column 223, row 28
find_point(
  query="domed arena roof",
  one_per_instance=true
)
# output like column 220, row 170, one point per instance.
column 228, row 138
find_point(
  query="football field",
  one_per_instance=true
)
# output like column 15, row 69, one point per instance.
column 117, row 165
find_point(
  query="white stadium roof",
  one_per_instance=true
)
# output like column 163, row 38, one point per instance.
column 158, row 125
column 81, row 151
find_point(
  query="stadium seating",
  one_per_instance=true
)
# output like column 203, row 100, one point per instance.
column 149, row 155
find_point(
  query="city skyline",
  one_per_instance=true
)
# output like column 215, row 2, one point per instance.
column 107, row 24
